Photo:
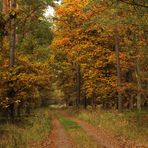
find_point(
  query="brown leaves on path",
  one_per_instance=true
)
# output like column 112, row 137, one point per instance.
column 60, row 138
column 105, row 138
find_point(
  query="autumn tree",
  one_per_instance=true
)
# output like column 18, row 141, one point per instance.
column 23, row 82
column 98, row 36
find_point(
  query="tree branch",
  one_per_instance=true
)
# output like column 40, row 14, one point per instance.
column 135, row 4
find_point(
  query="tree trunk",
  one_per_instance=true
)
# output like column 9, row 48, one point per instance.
column 78, row 85
column 19, row 111
column 12, row 111
column 28, row 109
column 85, row 102
column 139, row 86
column 6, row 6
column 67, row 101
column 118, row 69
column 131, row 103
column 93, row 102
column 13, row 35
column 12, row 55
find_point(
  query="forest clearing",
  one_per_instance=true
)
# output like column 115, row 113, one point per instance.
column 73, row 74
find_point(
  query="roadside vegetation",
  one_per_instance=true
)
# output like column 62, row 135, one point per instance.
column 25, row 131
column 131, row 124
column 77, row 133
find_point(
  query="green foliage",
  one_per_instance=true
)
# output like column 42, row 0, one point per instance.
column 33, row 28
column 67, row 123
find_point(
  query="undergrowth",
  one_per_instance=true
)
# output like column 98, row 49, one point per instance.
column 131, row 124
column 26, row 131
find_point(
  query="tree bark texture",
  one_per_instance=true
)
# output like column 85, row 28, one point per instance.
column 118, row 69
column 139, row 85
column 13, row 35
column 78, row 81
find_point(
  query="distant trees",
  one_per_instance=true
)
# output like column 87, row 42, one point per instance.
column 105, row 38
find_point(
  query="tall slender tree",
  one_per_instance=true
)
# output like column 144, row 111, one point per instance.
column 78, row 78
column 13, row 33
column 118, row 69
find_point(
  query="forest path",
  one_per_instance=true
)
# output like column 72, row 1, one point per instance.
column 103, row 137
column 58, row 138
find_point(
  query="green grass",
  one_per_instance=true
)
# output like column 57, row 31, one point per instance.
column 133, row 125
column 78, row 135
column 67, row 123
column 30, row 130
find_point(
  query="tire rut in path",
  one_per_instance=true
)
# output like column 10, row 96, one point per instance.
column 59, row 137
column 105, row 139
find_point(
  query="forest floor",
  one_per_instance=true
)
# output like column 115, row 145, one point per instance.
column 71, row 132
column 58, row 137
column 55, row 128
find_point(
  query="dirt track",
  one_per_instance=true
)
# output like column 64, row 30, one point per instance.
column 106, row 139
column 59, row 138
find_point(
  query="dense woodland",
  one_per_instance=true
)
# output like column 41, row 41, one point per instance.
column 25, row 35
column 93, row 52
column 99, row 52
